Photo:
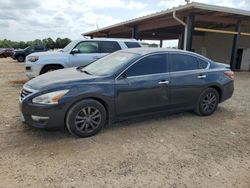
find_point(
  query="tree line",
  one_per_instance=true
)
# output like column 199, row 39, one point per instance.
column 48, row 43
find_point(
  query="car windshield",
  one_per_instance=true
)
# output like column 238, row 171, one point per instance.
column 109, row 64
column 69, row 47
column 27, row 48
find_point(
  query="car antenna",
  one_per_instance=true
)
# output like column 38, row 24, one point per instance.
column 97, row 25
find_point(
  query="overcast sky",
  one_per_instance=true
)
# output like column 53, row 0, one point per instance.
column 31, row 19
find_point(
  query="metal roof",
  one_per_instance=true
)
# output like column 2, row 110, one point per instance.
column 193, row 5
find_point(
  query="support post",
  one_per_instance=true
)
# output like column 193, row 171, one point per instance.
column 190, row 29
column 135, row 32
column 235, row 46
column 181, row 40
column 161, row 43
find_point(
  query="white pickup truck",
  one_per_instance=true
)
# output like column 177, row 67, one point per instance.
column 77, row 53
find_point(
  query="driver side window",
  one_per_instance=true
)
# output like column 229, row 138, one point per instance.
column 153, row 64
column 87, row 47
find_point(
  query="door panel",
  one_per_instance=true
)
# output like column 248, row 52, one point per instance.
column 187, row 79
column 82, row 59
column 145, row 86
column 186, row 87
column 142, row 94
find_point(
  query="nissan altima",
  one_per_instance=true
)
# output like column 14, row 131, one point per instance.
column 122, row 85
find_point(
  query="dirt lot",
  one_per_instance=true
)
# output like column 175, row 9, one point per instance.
column 181, row 150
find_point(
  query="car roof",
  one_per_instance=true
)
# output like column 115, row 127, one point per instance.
column 148, row 50
column 108, row 39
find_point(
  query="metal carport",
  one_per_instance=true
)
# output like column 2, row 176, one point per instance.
column 183, row 23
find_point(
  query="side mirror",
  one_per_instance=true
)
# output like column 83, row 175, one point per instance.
column 123, row 76
column 75, row 51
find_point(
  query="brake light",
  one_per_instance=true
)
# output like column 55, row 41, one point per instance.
column 229, row 74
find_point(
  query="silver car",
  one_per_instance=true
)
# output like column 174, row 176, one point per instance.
column 77, row 53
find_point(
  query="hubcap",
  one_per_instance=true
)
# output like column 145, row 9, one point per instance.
column 209, row 102
column 88, row 119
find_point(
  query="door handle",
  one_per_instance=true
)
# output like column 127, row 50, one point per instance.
column 164, row 82
column 202, row 76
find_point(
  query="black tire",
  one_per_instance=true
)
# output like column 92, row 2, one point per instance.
column 86, row 118
column 20, row 58
column 50, row 68
column 208, row 102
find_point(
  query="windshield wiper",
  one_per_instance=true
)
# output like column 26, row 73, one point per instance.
column 86, row 72
column 81, row 69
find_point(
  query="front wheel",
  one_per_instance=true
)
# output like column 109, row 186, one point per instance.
column 208, row 102
column 20, row 58
column 86, row 118
column 50, row 68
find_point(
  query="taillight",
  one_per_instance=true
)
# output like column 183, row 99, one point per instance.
column 229, row 74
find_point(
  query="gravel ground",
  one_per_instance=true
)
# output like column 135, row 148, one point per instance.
column 181, row 150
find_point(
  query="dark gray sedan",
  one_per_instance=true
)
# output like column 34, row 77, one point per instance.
column 125, row 84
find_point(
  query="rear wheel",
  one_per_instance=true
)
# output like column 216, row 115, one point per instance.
column 20, row 58
column 50, row 68
column 208, row 102
column 86, row 118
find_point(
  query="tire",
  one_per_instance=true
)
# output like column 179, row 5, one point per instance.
column 86, row 118
column 208, row 102
column 50, row 68
column 20, row 58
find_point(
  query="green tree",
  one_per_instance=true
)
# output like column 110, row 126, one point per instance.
column 49, row 43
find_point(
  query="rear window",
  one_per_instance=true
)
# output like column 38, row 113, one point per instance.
column 132, row 44
column 109, row 46
column 183, row 62
column 203, row 63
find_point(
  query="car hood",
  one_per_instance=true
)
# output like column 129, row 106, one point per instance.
column 48, row 54
column 18, row 51
column 63, row 77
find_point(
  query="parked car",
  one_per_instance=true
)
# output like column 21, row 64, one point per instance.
column 6, row 52
column 125, row 84
column 21, row 54
column 76, row 53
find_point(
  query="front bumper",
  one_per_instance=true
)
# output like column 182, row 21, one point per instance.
column 32, row 69
column 13, row 56
column 43, row 116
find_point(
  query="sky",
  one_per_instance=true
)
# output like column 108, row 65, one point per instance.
column 23, row 20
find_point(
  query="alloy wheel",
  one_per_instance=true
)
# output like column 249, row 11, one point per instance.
column 209, row 102
column 88, row 119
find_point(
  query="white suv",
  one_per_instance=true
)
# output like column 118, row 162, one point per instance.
column 76, row 53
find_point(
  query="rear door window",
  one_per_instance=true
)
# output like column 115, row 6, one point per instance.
column 153, row 64
column 132, row 44
column 203, row 63
column 108, row 46
column 183, row 62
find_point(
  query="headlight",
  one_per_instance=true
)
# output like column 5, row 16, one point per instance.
column 33, row 58
column 50, row 98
